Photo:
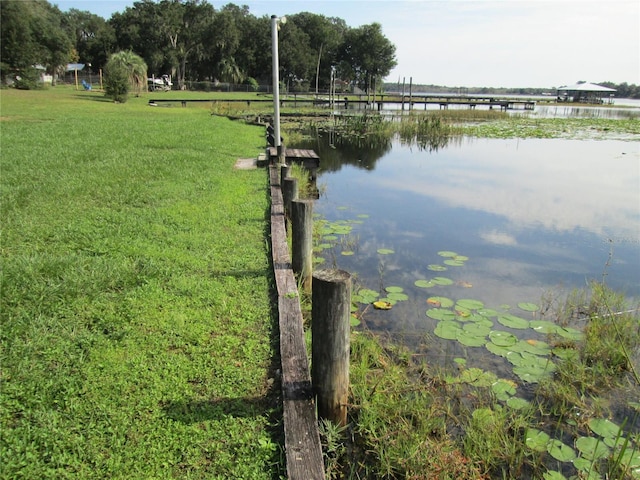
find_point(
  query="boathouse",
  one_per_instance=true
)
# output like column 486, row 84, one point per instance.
column 585, row 93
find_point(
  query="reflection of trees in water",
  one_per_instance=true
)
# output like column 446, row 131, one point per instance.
column 336, row 150
column 361, row 141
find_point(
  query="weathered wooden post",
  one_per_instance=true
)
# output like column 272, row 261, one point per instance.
column 330, row 325
column 302, row 241
column 289, row 193
column 284, row 172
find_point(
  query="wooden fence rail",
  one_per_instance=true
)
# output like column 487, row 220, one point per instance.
column 302, row 439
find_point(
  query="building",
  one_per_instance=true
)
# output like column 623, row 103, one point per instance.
column 585, row 93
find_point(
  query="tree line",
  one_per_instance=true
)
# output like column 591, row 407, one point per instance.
column 192, row 41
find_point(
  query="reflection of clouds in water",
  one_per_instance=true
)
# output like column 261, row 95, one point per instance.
column 498, row 238
column 555, row 184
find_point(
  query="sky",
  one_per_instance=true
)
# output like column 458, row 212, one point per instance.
column 477, row 43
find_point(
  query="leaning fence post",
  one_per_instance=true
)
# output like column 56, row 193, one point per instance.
column 289, row 193
column 302, row 241
column 330, row 327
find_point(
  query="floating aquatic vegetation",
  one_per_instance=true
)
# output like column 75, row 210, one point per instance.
column 447, row 329
column 385, row 251
column 503, row 339
column 513, row 321
column 424, row 283
column 537, row 440
column 518, row 403
column 443, row 302
column 436, row 268
column 382, row 305
column 470, row 304
column 592, row 448
column 560, row 451
column 503, row 389
column 528, row 307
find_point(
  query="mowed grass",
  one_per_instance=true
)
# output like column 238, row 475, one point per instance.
column 136, row 324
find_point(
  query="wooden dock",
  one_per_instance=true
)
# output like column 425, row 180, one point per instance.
column 302, row 439
column 377, row 102
column 308, row 158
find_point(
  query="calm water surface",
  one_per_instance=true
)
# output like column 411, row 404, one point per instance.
column 536, row 217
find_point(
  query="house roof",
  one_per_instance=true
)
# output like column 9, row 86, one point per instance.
column 586, row 87
column 74, row 66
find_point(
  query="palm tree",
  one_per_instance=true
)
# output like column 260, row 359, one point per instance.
column 135, row 67
column 230, row 71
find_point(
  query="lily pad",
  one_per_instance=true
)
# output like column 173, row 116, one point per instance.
column 470, row 339
column 543, row 326
column 553, row 475
column 503, row 339
column 605, row 428
column 531, row 373
column 592, row 448
column 477, row 377
column 630, row 458
column 477, row 329
column 532, row 346
column 528, row 307
column 453, row 263
column 382, row 305
column 363, row 215
column 447, row 253
column 447, row 329
column 536, row 440
column 497, row 350
column 488, row 312
column 394, row 289
column 424, row 283
column 441, row 314
column 388, row 300
column 354, row 321
column 443, row 302
column 566, row 353
column 367, row 296
column 442, row 281
column 513, row 321
column 347, row 253
column 503, row 389
column 400, row 297
column 470, row 303
column 518, row 403
column 437, row 268
column 586, row 468
column 570, row 333
column 560, row 451
column 385, row 251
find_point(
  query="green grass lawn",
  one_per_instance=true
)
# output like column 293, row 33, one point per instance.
column 137, row 335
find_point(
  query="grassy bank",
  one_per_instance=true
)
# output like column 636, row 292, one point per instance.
column 136, row 326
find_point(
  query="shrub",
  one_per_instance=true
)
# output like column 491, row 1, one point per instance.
column 116, row 81
column 252, row 83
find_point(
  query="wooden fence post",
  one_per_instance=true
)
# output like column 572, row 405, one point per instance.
column 330, row 328
column 284, row 172
column 289, row 193
column 302, row 241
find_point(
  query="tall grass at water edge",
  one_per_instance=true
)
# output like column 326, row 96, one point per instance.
column 136, row 328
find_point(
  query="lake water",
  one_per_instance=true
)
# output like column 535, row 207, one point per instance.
column 535, row 217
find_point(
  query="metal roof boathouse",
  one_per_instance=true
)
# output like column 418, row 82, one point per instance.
column 585, row 93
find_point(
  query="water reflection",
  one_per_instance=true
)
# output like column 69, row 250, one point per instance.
column 531, row 214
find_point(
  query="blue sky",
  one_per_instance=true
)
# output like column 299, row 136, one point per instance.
column 504, row 43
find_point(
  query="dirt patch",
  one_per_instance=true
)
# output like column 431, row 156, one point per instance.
column 246, row 164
